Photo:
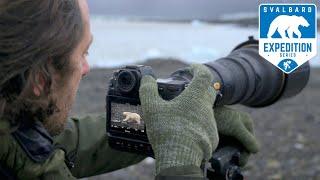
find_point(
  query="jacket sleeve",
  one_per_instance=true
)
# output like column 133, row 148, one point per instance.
column 86, row 144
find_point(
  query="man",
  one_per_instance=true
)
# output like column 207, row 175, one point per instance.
column 43, row 49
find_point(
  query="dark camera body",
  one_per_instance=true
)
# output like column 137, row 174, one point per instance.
column 123, row 96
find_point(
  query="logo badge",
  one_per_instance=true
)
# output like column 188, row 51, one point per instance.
column 288, row 34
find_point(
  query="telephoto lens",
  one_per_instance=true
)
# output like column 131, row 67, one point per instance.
column 244, row 77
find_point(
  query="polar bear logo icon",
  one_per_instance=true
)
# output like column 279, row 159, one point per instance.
column 132, row 117
column 287, row 25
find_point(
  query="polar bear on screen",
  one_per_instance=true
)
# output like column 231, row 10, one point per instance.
column 132, row 117
column 289, row 24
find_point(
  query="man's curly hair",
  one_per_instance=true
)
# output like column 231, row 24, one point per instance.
column 36, row 36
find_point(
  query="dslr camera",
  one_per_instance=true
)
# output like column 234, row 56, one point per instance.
column 125, row 125
column 243, row 77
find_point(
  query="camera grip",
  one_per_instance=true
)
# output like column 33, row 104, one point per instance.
column 225, row 164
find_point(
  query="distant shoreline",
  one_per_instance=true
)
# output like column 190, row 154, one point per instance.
column 122, row 41
column 242, row 22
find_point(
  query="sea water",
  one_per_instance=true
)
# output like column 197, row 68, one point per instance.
column 119, row 42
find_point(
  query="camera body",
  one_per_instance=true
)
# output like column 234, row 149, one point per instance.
column 125, row 122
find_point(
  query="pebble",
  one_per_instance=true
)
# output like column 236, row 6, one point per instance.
column 273, row 164
column 301, row 138
column 298, row 146
column 275, row 177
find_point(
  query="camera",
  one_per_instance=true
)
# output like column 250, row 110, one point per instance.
column 125, row 125
column 243, row 77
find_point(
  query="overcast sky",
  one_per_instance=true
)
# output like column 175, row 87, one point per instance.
column 176, row 9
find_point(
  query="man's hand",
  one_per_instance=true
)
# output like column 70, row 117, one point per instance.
column 182, row 131
column 237, row 125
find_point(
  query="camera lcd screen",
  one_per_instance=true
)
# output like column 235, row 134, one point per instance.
column 126, row 117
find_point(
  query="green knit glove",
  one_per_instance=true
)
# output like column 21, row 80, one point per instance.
column 181, row 131
column 237, row 125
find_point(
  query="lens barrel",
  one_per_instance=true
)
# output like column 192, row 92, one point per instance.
column 244, row 77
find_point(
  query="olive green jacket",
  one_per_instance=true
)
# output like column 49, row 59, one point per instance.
column 82, row 150
column 86, row 144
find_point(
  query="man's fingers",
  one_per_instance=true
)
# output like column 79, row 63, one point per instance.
column 199, row 88
column 247, row 140
column 238, row 125
column 248, row 123
column 202, row 77
column 244, row 157
column 148, row 91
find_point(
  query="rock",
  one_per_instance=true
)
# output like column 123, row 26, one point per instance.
column 298, row 146
column 273, row 164
column 277, row 176
column 301, row 138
